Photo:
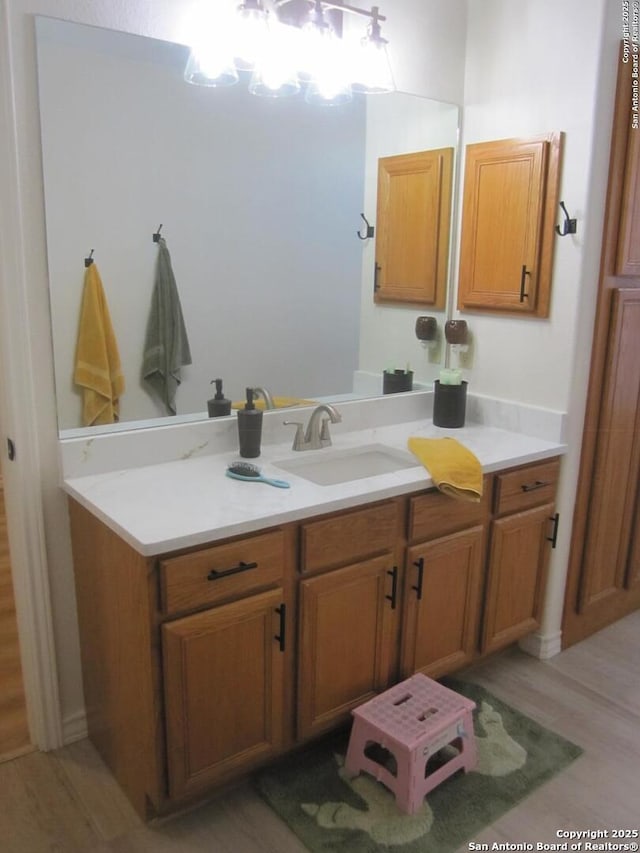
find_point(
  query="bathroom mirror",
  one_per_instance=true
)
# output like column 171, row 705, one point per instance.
column 260, row 203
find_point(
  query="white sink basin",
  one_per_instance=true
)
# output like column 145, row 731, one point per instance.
column 327, row 467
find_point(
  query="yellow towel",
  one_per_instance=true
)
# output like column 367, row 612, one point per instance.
column 454, row 469
column 97, row 365
column 278, row 402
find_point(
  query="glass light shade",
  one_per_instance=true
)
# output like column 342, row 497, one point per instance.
column 210, row 68
column 251, row 32
column 326, row 66
column 372, row 70
column 275, row 74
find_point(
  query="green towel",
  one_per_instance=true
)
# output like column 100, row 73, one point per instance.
column 166, row 347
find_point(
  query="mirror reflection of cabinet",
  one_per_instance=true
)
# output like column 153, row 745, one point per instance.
column 413, row 215
column 509, row 206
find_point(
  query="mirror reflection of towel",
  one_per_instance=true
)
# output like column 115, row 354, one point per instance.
column 166, row 347
column 97, row 369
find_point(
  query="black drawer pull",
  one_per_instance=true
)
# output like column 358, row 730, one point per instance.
column 554, row 536
column 419, row 564
column 523, row 283
column 215, row 575
column 281, row 637
column 376, row 270
column 539, row 484
column 393, row 598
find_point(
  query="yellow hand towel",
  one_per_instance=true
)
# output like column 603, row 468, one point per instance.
column 454, row 469
column 278, row 402
column 97, row 365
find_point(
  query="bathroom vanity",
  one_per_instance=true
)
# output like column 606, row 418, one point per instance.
column 275, row 612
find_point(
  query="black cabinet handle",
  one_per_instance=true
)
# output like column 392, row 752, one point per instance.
column 215, row 574
column 393, row 598
column 531, row 487
column 419, row 564
column 554, row 536
column 523, row 283
column 376, row 269
column 281, row 637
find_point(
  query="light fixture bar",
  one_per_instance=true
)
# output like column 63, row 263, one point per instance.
column 297, row 43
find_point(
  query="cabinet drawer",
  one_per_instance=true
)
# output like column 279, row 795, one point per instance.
column 349, row 537
column 223, row 571
column 434, row 514
column 526, row 487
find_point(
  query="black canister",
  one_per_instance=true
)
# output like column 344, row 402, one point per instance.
column 249, row 428
column 449, row 405
column 394, row 381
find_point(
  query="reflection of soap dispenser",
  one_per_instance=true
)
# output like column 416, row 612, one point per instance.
column 218, row 406
column 249, row 428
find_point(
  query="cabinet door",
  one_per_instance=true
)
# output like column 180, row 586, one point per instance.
column 442, row 603
column 510, row 195
column 413, row 225
column 516, row 576
column 347, row 641
column 223, row 671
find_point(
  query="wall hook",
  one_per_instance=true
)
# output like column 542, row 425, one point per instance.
column 89, row 260
column 156, row 236
column 369, row 231
column 569, row 226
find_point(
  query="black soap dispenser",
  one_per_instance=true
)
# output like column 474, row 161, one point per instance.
column 249, row 428
column 219, row 406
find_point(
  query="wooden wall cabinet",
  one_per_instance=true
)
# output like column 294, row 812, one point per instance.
column 509, row 210
column 202, row 665
column 413, row 226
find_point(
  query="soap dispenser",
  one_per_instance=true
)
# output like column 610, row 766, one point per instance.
column 219, row 405
column 249, row 428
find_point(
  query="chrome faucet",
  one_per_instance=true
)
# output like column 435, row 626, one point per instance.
column 266, row 396
column 317, row 432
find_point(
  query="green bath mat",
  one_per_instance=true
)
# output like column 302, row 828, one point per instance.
column 330, row 813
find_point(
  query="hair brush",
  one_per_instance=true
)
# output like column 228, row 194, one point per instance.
column 251, row 474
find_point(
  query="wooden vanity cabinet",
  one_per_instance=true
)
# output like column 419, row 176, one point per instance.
column 200, row 666
column 509, row 207
column 224, row 690
column 444, row 577
column 348, row 616
column 522, row 534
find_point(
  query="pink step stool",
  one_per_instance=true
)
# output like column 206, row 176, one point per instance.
column 412, row 721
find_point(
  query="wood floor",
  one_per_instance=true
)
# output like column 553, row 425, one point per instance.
column 14, row 728
column 66, row 801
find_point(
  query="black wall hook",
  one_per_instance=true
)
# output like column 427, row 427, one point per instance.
column 89, row 260
column 369, row 231
column 569, row 226
column 156, row 236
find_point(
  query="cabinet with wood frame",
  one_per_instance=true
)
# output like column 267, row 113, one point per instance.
column 444, row 579
column 509, row 208
column 200, row 666
column 348, row 613
column 603, row 581
column 413, row 227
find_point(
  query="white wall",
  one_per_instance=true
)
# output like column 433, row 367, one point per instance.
column 430, row 62
column 535, row 66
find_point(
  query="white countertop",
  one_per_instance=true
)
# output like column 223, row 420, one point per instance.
column 172, row 505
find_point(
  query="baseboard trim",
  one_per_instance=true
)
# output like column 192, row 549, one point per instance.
column 74, row 727
column 542, row 646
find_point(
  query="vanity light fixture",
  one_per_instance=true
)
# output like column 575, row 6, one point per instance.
column 291, row 45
